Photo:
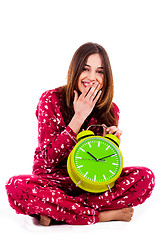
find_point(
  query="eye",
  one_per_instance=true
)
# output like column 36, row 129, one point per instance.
column 100, row 72
column 85, row 69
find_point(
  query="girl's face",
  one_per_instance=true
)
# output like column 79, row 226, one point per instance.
column 92, row 73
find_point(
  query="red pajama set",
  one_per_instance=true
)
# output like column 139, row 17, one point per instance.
column 49, row 190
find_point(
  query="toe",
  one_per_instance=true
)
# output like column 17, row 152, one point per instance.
column 45, row 221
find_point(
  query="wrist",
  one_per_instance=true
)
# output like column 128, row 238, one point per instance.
column 79, row 118
column 76, row 123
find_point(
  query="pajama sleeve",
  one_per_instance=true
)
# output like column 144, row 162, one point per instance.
column 55, row 140
column 116, row 112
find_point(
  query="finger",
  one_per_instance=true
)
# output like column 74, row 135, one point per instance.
column 104, row 129
column 104, row 126
column 86, row 91
column 118, row 134
column 93, row 91
column 112, row 129
column 75, row 96
column 97, row 97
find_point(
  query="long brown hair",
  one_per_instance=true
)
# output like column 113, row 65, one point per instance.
column 104, row 107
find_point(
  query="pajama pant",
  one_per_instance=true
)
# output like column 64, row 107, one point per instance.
column 36, row 195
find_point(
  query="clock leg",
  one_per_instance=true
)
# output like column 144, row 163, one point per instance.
column 78, row 183
column 109, row 188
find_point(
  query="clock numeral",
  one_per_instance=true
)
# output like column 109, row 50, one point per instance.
column 85, row 174
column 111, row 172
column 95, row 177
column 99, row 144
column 113, row 155
column 115, row 164
column 80, row 166
column 107, row 148
column 82, row 149
column 104, row 177
column 89, row 144
column 79, row 157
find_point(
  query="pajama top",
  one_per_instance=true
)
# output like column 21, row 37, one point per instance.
column 55, row 140
column 50, row 191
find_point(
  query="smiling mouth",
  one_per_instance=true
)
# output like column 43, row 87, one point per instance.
column 86, row 84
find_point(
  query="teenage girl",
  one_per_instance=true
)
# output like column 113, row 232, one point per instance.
column 49, row 192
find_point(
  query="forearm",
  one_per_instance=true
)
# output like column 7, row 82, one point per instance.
column 83, row 106
column 76, row 123
column 47, row 157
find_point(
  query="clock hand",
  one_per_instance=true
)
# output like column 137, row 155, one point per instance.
column 106, row 157
column 92, row 156
column 88, row 159
column 93, row 159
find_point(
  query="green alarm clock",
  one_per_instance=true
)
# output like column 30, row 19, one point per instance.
column 95, row 162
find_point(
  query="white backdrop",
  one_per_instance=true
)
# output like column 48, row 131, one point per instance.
column 38, row 39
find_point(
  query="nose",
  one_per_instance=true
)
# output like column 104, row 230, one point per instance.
column 92, row 76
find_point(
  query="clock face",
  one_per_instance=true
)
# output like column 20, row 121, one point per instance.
column 97, row 159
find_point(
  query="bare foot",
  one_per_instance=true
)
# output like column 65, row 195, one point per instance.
column 44, row 220
column 124, row 214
